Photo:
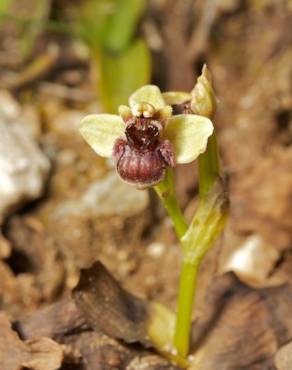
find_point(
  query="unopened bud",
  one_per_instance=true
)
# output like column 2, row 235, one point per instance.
column 202, row 96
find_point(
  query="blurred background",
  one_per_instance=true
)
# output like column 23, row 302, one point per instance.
column 62, row 207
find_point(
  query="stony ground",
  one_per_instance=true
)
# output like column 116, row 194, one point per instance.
column 68, row 209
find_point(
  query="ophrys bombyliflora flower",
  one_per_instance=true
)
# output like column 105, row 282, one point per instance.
column 145, row 139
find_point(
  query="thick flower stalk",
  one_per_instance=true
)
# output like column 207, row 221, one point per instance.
column 145, row 138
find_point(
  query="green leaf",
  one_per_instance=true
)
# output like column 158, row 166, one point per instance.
column 35, row 27
column 108, row 24
column 122, row 24
column 4, row 5
column 120, row 75
column 176, row 97
column 100, row 131
column 189, row 135
column 91, row 20
column 148, row 94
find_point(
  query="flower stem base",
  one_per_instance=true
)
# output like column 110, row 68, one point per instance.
column 187, row 287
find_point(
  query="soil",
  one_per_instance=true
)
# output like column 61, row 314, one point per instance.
column 45, row 244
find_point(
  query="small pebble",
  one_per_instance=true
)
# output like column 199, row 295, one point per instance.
column 155, row 249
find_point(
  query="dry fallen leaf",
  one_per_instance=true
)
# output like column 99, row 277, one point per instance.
column 108, row 307
column 45, row 354
column 244, row 326
column 37, row 354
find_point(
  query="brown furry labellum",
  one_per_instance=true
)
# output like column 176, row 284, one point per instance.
column 142, row 156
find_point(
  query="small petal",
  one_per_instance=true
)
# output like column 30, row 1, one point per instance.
column 147, row 94
column 176, row 97
column 189, row 135
column 101, row 131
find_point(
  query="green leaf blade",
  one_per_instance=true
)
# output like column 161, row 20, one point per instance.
column 123, row 74
column 122, row 24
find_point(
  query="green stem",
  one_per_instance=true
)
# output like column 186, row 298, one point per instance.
column 187, row 288
column 209, row 166
column 206, row 225
column 166, row 192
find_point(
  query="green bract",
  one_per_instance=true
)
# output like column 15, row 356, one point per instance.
column 188, row 133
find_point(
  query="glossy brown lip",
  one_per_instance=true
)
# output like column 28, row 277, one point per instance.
column 141, row 167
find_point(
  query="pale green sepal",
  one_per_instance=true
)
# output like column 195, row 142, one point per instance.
column 101, row 130
column 147, row 94
column 176, row 97
column 189, row 135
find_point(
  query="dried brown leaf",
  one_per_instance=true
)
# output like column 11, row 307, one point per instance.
column 108, row 307
column 37, row 354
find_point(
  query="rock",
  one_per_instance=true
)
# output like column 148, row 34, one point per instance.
column 261, row 200
column 65, row 121
column 9, row 108
column 34, row 273
column 109, row 196
column 23, row 166
column 5, row 247
column 283, row 358
column 155, row 249
column 112, row 196
column 150, row 362
column 253, row 260
column 45, row 354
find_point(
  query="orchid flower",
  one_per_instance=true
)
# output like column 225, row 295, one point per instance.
column 150, row 136
column 145, row 138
